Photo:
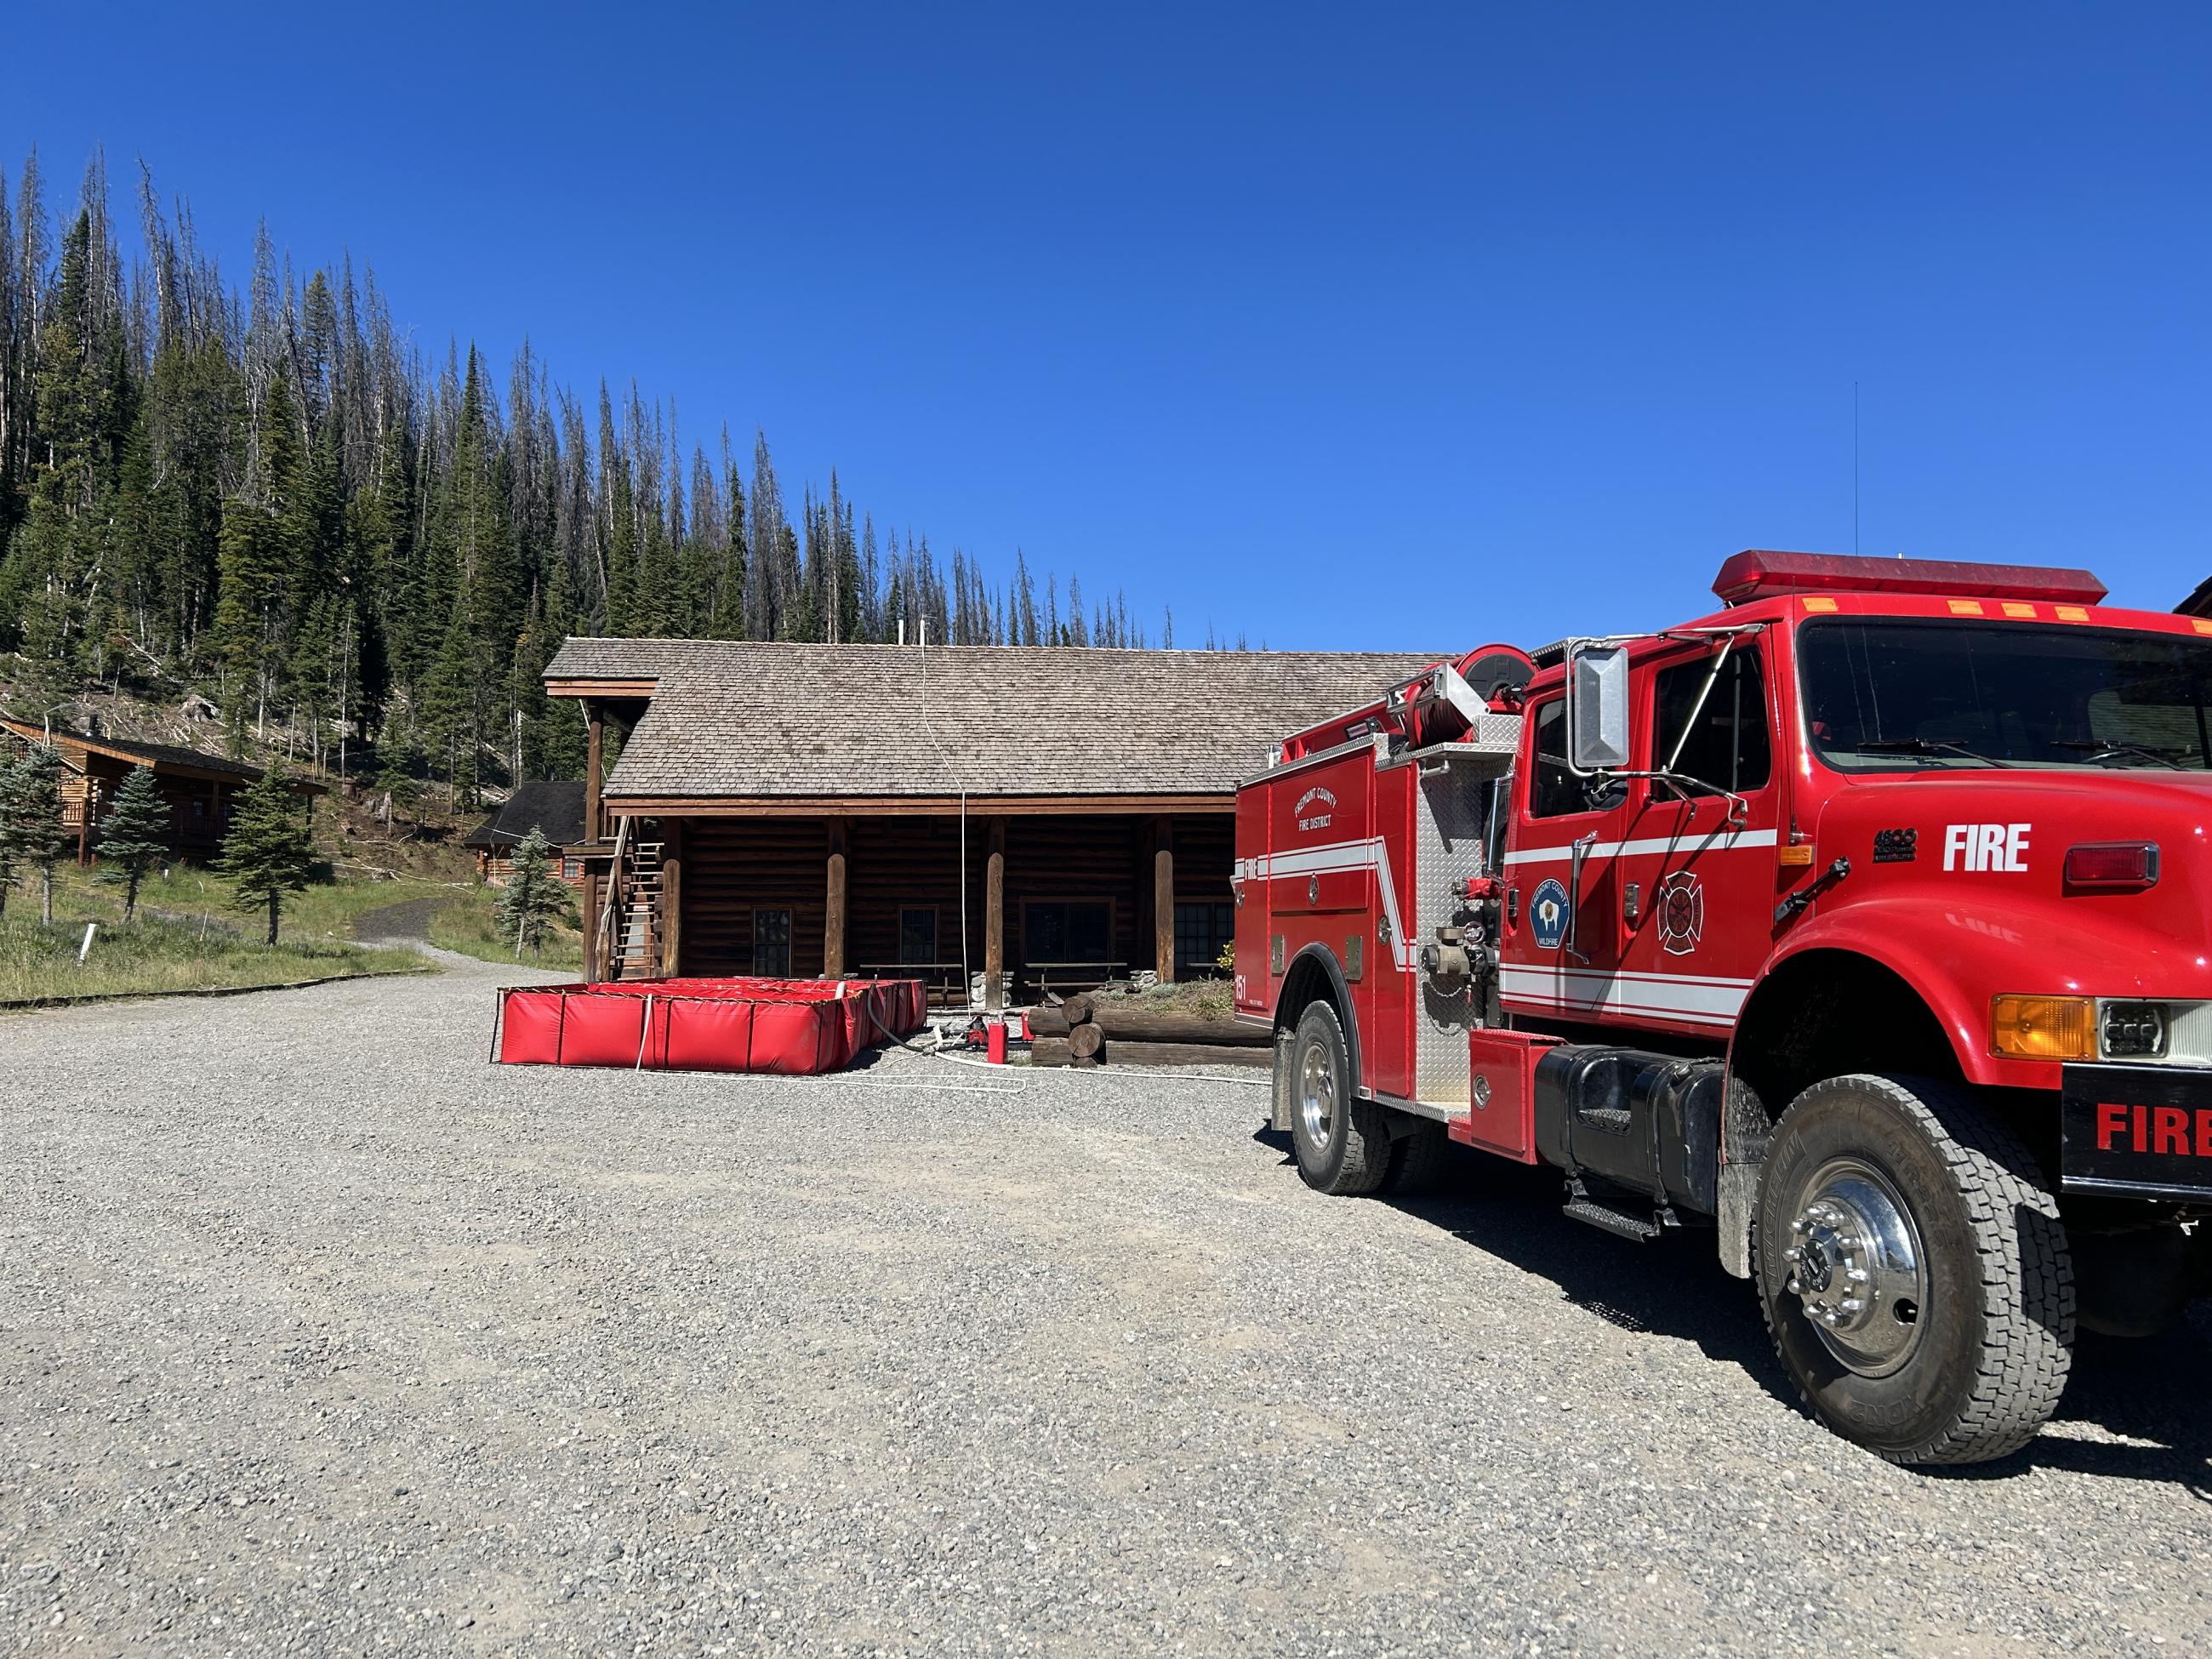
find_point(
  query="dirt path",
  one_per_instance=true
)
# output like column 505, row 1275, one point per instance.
column 408, row 920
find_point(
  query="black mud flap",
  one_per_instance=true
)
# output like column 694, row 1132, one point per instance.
column 2137, row 1131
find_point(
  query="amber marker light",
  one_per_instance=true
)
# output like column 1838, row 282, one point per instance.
column 1797, row 857
column 2043, row 1028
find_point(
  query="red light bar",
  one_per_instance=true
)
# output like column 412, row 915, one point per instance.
column 1759, row 575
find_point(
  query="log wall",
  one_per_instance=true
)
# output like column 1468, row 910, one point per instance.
column 733, row 866
column 901, row 862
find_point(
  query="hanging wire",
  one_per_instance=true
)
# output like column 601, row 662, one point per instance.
column 967, row 991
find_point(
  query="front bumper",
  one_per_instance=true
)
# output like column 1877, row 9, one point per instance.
column 2137, row 1131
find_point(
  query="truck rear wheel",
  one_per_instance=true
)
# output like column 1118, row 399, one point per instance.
column 1418, row 1158
column 1913, row 1270
column 1342, row 1142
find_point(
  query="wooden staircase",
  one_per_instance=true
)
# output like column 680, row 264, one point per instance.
column 638, row 953
column 631, row 921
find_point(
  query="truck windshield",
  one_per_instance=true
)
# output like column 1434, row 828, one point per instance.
column 1903, row 695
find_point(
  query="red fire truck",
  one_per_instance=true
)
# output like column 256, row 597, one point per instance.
column 1862, row 922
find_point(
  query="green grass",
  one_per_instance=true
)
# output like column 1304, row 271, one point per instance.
column 156, row 954
column 466, row 926
column 327, row 911
column 188, row 935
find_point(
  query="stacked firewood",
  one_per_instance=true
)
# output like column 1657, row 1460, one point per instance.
column 1087, row 1030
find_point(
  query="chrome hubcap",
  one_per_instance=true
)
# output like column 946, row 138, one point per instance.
column 1855, row 1266
column 1317, row 1095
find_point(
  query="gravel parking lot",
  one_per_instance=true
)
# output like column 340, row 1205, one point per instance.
column 319, row 1334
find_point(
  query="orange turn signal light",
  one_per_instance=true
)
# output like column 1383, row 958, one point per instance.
column 1797, row 857
column 2043, row 1028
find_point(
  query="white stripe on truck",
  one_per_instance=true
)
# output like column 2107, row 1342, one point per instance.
column 1720, row 841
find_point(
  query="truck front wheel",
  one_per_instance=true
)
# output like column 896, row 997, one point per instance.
column 1913, row 1270
column 1342, row 1142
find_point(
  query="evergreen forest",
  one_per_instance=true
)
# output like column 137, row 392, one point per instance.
column 271, row 497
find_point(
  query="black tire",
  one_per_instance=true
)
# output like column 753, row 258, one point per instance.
column 2133, row 1284
column 1342, row 1142
column 1418, row 1158
column 1984, row 1339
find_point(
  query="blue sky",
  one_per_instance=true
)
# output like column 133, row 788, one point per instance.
column 1345, row 327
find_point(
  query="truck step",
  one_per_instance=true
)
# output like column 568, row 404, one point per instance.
column 1624, row 1224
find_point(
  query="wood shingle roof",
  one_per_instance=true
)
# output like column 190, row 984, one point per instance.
column 762, row 721
column 556, row 808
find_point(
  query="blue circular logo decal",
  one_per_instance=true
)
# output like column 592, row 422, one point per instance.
column 1547, row 914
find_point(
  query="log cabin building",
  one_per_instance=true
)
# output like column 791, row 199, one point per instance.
column 554, row 808
column 200, row 788
column 1032, row 818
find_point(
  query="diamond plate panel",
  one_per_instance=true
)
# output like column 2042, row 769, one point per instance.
column 1448, row 825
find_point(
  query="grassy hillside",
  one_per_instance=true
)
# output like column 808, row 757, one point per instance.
column 192, row 947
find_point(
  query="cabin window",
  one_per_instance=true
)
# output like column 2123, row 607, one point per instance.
column 572, row 869
column 1201, row 930
column 917, row 934
column 772, row 943
column 1067, row 931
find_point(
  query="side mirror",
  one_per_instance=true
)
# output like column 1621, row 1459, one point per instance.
column 1597, row 709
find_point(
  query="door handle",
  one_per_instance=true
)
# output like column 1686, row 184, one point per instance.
column 1575, row 892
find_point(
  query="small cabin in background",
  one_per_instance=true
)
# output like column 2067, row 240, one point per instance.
column 553, row 807
column 198, row 788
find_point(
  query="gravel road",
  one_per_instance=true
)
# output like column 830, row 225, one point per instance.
column 317, row 1334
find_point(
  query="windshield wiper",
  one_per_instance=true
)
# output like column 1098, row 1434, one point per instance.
column 1926, row 747
column 2105, row 751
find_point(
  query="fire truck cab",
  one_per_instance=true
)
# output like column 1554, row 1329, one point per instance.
column 1862, row 922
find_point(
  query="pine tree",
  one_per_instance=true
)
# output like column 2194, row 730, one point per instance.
column 134, row 836
column 1078, row 631
column 534, row 898
column 268, row 851
column 259, row 569
column 31, row 819
column 11, row 773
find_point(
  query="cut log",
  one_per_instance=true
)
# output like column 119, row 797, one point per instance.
column 1048, row 1023
column 1120, row 1052
column 1077, row 1008
column 1049, row 1051
column 1128, row 1018
column 1084, row 1041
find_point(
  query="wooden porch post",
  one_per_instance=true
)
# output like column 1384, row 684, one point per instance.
column 591, row 918
column 995, row 919
column 672, row 896
column 594, row 828
column 833, row 927
column 84, row 824
column 1164, row 899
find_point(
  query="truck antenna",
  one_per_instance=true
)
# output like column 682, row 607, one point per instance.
column 1855, row 469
